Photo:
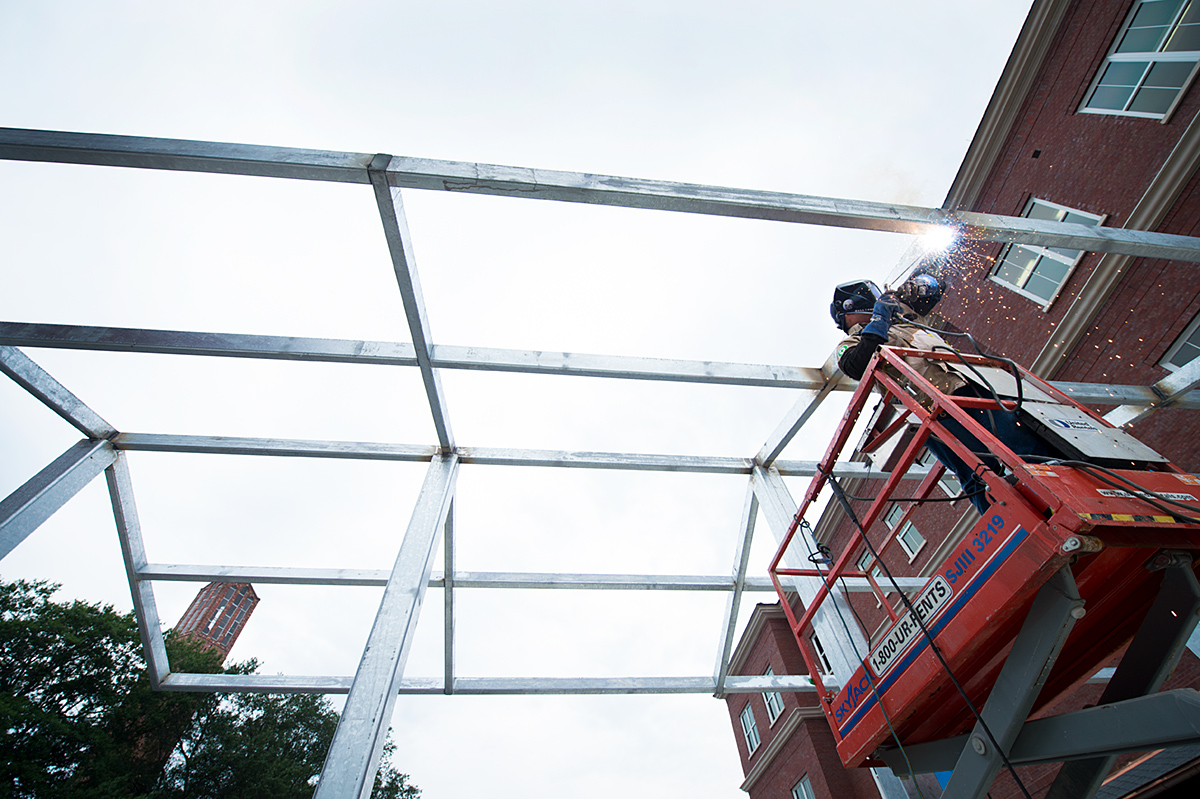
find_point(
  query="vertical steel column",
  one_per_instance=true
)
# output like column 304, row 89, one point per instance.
column 129, row 531
column 353, row 757
column 741, row 562
column 448, row 591
column 1149, row 660
column 399, row 240
column 1034, row 652
column 834, row 622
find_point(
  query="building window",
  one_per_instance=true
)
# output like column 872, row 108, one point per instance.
column 774, row 700
column 749, row 728
column 803, row 789
column 910, row 538
column 948, row 482
column 1040, row 272
column 1151, row 62
column 1185, row 348
column 822, row 659
column 876, row 573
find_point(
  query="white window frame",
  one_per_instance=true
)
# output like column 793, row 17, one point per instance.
column 1042, row 252
column 823, row 664
column 1187, row 333
column 1151, row 59
column 876, row 572
column 773, row 700
column 948, row 482
column 890, row 519
column 803, row 789
column 750, row 728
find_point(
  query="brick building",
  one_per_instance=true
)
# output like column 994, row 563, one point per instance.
column 218, row 615
column 1095, row 121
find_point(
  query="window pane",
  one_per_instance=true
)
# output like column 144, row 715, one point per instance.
column 1149, row 25
column 1110, row 99
column 1039, row 210
column 1169, row 74
column 1124, row 73
column 803, row 789
column 1141, row 40
column 912, row 538
column 1153, row 101
column 1041, row 286
column 1017, row 265
column 1185, row 39
column 893, row 516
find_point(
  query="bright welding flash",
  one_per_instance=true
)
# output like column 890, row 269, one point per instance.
column 939, row 239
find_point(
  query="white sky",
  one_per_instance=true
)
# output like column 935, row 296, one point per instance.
column 876, row 101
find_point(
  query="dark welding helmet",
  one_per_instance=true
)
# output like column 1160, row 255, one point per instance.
column 921, row 292
column 857, row 296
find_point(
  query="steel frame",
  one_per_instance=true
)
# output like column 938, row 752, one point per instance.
column 353, row 758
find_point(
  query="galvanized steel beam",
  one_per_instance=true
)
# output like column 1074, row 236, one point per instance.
column 741, row 564
column 22, row 511
column 448, row 585
column 491, row 686
column 274, row 447
column 133, row 553
column 545, row 184
column 353, row 757
column 53, row 394
column 1169, row 391
column 404, row 264
column 800, row 413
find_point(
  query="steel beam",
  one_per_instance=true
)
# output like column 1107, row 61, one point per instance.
column 133, row 552
column 283, row 575
column 741, row 564
column 22, row 511
column 404, row 264
column 353, row 756
column 53, row 394
column 1145, row 666
column 1145, row 723
column 388, row 353
column 276, row 447
column 544, row 184
column 1169, row 391
column 833, row 622
column 448, row 585
column 1033, row 655
column 799, row 414
column 491, row 686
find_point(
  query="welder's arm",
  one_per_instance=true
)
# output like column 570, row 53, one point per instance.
column 854, row 359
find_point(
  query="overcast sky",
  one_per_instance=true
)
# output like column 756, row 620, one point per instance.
column 874, row 100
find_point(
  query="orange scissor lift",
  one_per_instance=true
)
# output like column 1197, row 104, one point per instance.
column 1074, row 558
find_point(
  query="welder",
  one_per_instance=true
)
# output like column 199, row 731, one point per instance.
column 871, row 318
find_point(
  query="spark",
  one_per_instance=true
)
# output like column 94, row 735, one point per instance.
column 938, row 239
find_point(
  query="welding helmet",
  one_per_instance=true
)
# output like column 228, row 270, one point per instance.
column 857, row 296
column 921, row 292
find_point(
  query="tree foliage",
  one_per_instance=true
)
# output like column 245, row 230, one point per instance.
column 79, row 720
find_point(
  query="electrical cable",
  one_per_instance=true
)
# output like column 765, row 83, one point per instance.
column 845, row 503
column 861, row 660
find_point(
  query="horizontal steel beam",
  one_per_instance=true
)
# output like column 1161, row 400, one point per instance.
column 487, row 359
column 485, row 456
column 544, row 184
column 282, row 575
column 285, row 684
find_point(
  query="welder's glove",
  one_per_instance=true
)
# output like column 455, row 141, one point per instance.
column 881, row 319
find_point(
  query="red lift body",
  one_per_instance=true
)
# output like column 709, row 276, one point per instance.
column 1041, row 518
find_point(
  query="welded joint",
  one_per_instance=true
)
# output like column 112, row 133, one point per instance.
column 379, row 164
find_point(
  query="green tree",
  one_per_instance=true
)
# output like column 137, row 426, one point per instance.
column 78, row 718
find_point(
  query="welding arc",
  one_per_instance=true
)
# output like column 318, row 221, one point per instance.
column 844, row 501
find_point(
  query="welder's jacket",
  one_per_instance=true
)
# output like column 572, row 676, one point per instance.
column 855, row 351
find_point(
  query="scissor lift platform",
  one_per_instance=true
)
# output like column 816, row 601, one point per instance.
column 1059, row 574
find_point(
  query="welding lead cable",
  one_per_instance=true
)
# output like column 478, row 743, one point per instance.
column 804, row 525
column 845, row 503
